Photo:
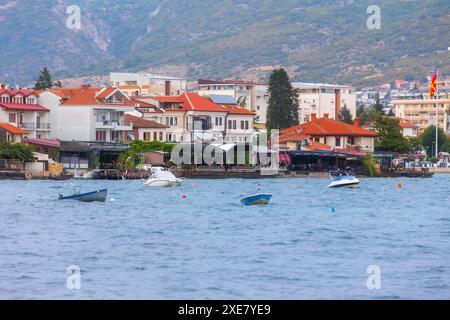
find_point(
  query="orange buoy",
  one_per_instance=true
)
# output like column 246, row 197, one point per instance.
column 399, row 185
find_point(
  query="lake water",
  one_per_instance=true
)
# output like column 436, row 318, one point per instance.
column 199, row 242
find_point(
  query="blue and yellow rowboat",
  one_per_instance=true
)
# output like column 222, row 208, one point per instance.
column 257, row 199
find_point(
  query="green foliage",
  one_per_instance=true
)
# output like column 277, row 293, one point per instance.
column 428, row 140
column 378, row 107
column 368, row 116
column 369, row 166
column 390, row 135
column 282, row 111
column 133, row 157
column 346, row 115
column 45, row 81
column 16, row 151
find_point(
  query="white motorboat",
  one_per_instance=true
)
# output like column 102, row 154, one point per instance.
column 342, row 179
column 162, row 179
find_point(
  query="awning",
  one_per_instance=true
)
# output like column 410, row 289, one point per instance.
column 47, row 143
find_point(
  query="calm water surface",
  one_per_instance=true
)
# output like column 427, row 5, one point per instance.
column 310, row 243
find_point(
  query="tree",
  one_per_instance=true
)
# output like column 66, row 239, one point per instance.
column 45, row 81
column 378, row 106
column 428, row 140
column 390, row 135
column 283, row 106
column 346, row 115
column 242, row 101
column 16, row 151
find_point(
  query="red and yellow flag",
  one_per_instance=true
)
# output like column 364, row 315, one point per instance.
column 433, row 86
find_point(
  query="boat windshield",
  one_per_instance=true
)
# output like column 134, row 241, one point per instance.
column 166, row 175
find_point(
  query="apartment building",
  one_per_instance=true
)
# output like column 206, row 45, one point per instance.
column 252, row 95
column 135, row 84
column 88, row 114
column 193, row 118
column 321, row 99
column 22, row 116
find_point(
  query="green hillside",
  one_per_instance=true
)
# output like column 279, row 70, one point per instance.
column 318, row 40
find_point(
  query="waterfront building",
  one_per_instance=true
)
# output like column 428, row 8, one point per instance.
column 252, row 95
column 320, row 133
column 321, row 99
column 135, row 84
column 145, row 130
column 194, row 118
column 422, row 112
column 22, row 115
column 88, row 113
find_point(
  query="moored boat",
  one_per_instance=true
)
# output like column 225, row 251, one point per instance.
column 257, row 199
column 341, row 179
column 162, row 179
column 96, row 196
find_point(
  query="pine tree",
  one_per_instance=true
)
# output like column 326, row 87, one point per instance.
column 45, row 80
column 346, row 115
column 283, row 106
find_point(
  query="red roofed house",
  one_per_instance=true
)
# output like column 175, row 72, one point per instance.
column 193, row 118
column 145, row 129
column 409, row 129
column 88, row 114
column 326, row 133
column 20, row 110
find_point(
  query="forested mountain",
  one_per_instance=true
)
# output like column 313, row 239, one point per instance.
column 316, row 40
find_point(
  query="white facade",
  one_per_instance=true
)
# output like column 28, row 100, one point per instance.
column 99, row 123
column 133, row 84
column 324, row 99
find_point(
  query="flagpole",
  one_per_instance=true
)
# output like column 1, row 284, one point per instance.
column 437, row 113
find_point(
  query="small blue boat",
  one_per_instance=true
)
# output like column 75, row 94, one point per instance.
column 257, row 199
column 96, row 196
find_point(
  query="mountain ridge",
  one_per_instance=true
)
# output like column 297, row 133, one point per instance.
column 321, row 40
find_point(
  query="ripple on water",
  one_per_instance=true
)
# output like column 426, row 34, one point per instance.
column 155, row 244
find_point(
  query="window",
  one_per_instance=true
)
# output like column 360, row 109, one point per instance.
column 247, row 125
column 219, row 121
column 338, row 142
column 161, row 136
column 171, row 121
column 155, row 136
column 351, row 141
column 171, row 137
column 12, row 118
column 100, row 135
column 31, row 101
column 147, row 136
column 5, row 99
column 242, row 125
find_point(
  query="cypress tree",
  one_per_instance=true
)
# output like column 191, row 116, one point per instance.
column 282, row 111
column 45, row 80
column 346, row 115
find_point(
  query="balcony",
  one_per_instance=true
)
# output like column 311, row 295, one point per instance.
column 121, row 126
column 104, row 125
column 35, row 126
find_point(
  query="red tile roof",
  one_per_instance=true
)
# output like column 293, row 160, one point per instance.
column 23, row 107
column 168, row 99
column 24, row 92
column 195, row 102
column 11, row 129
column 235, row 109
column 143, row 123
column 329, row 127
column 44, row 142
column 89, row 96
column 407, row 124
column 314, row 145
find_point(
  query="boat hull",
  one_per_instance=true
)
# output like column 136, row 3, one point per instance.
column 158, row 183
column 96, row 196
column 258, row 199
column 345, row 183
